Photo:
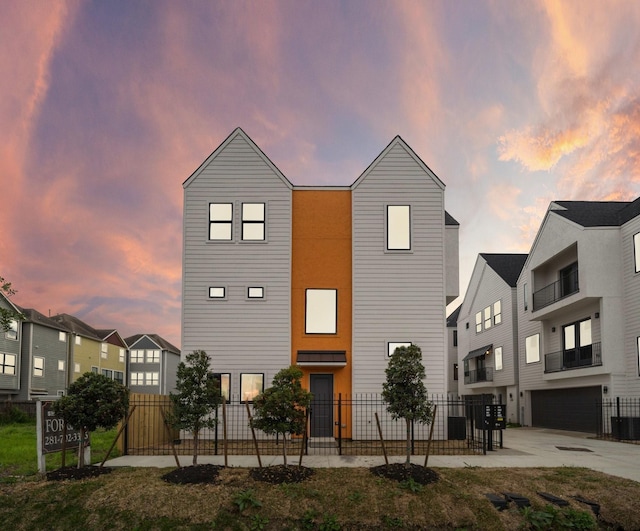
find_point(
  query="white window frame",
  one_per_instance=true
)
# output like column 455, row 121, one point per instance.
column 497, row 312
column 255, row 292
column 498, row 361
column 62, row 336
column 137, row 356
column 61, row 365
column 218, row 293
column 152, row 378
column 137, row 378
column 254, row 390
column 478, row 322
column 153, row 356
column 38, row 367
column 78, row 340
column 487, row 318
column 393, row 345
column 321, row 311
column 104, row 351
column 636, row 251
column 76, row 367
column 398, row 224
column 254, row 222
column 525, row 296
column 12, row 332
column 8, row 364
column 122, row 355
column 221, row 222
column 532, row 348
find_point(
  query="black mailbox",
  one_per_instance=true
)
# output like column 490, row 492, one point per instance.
column 495, row 416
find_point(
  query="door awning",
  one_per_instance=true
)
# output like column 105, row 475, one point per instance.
column 479, row 352
column 325, row 358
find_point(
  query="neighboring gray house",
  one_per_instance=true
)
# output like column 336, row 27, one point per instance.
column 579, row 313
column 487, row 330
column 153, row 363
column 452, row 351
column 45, row 353
column 10, row 365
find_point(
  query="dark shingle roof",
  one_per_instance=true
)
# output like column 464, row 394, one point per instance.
column 76, row 326
column 508, row 266
column 449, row 219
column 599, row 213
column 160, row 341
column 34, row 316
column 452, row 320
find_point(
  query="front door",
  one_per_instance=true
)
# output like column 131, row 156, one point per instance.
column 321, row 405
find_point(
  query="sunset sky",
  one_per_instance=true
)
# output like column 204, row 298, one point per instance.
column 106, row 107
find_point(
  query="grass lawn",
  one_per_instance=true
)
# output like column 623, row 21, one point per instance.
column 331, row 499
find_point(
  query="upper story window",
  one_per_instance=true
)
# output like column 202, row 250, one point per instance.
column 38, row 366
column 137, row 356
column 217, row 292
column 62, row 336
column 12, row 332
column 532, row 348
column 104, row 350
column 121, row 355
column 636, row 251
column 78, row 340
column 392, row 346
column 455, row 338
column 497, row 312
column 321, row 311
column 251, row 385
column 220, row 221
column 153, row 356
column 224, row 379
column 61, row 365
column 487, row 317
column 398, row 227
column 253, row 221
column 525, row 297
column 497, row 353
column 478, row 322
column 7, row 364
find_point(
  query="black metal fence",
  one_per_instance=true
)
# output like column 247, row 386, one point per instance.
column 26, row 406
column 338, row 425
column 620, row 419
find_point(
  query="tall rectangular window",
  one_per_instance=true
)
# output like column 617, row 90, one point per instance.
column 487, row 317
column 532, row 348
column 455, row 338
column 497, row 312
column 12, row 332
column 636, row 251
column 251, row 385
column 62, row 336
column 76, row 367
column 497, row 352
column 398, row 227
column 478, row 322
column 224, row 378
column 78, row 340
column 253, row 221
column 121, row 355
column 7, row 364
column 321, row 311
column 525, row 296
column 455, row 372
column 61, row 365
column 104, row 350
column 220, row 221
column 38, row 366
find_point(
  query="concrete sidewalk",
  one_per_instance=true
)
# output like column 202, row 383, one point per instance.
column 523, row 448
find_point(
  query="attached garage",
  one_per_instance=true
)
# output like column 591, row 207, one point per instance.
column 566, row 409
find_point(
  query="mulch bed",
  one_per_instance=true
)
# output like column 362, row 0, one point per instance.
column 281, row 474
column 401, row 472
column 73, row 472
column 193, row 474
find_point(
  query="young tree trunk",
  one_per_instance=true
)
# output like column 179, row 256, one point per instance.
column 284, row 448
column 195, row 447
column 408, row 460
column 81, row 449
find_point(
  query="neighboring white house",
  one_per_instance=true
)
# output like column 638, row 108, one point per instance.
column 487, row 331
column 579, row 313
column 452, row 351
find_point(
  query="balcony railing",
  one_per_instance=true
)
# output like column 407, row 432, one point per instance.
column 564, row 287
column 576, row 358
column 480, row 375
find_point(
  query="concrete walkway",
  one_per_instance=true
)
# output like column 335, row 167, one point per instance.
column 523, row 448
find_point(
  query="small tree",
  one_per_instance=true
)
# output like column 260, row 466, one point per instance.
column 405, row 392
column 93, row 401
column 198, row 396
column 281, row 409
column 7, row 315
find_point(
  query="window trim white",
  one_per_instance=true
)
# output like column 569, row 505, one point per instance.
column 152, row 378
column 152, row 356
column 61, row 365
column 636, row 251
column 250, row 400
column 527, row 344
column 104, row 351
column 136, row 378
column 497, row 312
column 78, row 340
column 498, row 358
column 38, row 365
column 12, row 333
column 398, row 222
column 220, row 221
column 321, row 311
column 478, row 322
column 488, row 321
column 76, row 367
column 122, row 355
column 5, row 363
column 62, row 336
column 137, row 355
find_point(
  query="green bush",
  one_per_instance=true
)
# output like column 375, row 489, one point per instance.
column 14, row 415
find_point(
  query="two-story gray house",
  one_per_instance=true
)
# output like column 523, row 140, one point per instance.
column 153, row 363
column 10, row 364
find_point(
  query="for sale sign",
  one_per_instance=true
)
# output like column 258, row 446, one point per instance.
column 53, row 432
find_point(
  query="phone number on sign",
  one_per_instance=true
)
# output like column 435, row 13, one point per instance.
column 51, row 440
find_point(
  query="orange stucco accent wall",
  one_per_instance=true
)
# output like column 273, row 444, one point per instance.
column 321, row 258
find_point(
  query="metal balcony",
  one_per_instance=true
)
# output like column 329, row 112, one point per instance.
column 576, row 358
column 480, row 375
column 564, row 287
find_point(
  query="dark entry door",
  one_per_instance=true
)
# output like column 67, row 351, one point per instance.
column 321, row 405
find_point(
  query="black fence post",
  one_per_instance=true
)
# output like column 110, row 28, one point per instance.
column 215, row 434
column 339, row 423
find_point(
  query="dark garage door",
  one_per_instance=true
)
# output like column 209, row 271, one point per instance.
column 566, row 409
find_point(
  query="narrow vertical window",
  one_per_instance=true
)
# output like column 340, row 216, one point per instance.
column 220, row 221
column 321, row 311
column 455, row 338
column 478, row 322
column 253, row 221
column 455, row 372
column 497, row 312
column 636, row 251
column 38, row 366
column 78, row 340
column 12, row 332
column 61, row 365
column 638, row 345
column 121, row 355
column 62, row 336
column 76, row 367
column 104, row 351
column 497, row 352
column 487, row 317
column 224, row 379
column 532, row 348
column 525, row 296
column 398, row 227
